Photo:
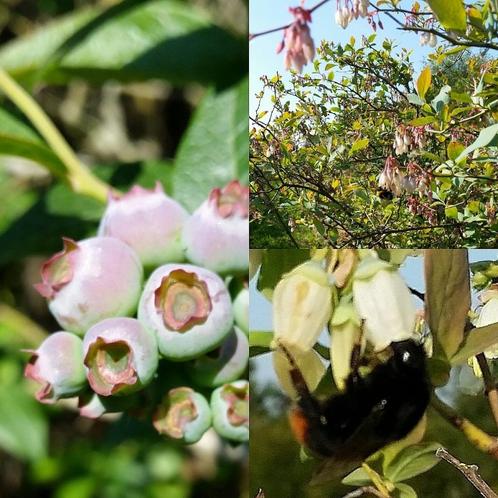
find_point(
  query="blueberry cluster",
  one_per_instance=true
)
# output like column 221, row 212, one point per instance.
column 174, row 350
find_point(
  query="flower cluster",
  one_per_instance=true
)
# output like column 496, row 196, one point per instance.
column 297, row 41
column 120, row 344
column 360, row 299
column 419, row 208
column 408, row 137
column 352, row 9
column 393, row 179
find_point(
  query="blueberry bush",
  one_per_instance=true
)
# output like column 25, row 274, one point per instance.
column 359, row 148
column 123, row 249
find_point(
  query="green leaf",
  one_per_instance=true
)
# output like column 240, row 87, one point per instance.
column 441, row 99
column 130, row 41
column 360, row 144
column 275, row 263
column 404, row 491
column 215, row 148
column 412, row 461
column 23, row 427
column 415, row 99
column 19, row 139
column 451, row 212
column 486, row 137
column 423, row 120
column 357, row 478
column 454, row 149
column 424, row 82
column 450, row 13
column 447, row 298
column 259, row 342
column 476, row 341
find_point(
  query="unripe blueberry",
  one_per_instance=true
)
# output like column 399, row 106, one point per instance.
column 241, row 310
column 58, row 366
column 216, row 236
column 149, row 221
column 230, row 408
column 91, row 280
column 183, row 415
column 120, row 355
column 227, row 365
column 188, row 308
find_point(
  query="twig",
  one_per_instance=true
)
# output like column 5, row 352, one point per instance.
column 280, row 28
column 489, row 385
column 363, row 491
column 480, row 439
column 469, row 471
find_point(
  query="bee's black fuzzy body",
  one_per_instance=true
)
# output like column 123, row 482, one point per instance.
column 372, row 412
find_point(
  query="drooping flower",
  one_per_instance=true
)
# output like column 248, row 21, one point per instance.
column 302, row 305
column 383, row 300
column 297, row 41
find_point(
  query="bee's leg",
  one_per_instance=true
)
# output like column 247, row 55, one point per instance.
column 306, row 400
column 355, row 360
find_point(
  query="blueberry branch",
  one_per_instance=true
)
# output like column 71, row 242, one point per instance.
column 79, row 177
column 469, row 471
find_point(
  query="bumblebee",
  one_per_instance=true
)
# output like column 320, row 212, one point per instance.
column 385, row 194
column 373, row 411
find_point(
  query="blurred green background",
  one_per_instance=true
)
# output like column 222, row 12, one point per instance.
column 142, row 90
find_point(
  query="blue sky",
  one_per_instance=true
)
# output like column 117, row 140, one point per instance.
column 268, row 14
column 261, row 317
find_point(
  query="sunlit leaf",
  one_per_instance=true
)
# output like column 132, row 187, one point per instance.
column 450, row 13
column 424, row 82
column 447, row 297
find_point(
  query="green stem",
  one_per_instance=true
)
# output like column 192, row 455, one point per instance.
column 79, row 177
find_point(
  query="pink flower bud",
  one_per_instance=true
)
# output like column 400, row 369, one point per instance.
column 147, row 220
column 120, row 355
column 58, row 366
column 91, row 280
column 216, row 236
column 188, row 308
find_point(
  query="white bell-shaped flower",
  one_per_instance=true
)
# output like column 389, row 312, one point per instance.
column 302, row 305
column 384, row 302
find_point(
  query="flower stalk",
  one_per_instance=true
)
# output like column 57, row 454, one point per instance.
column 78, row 176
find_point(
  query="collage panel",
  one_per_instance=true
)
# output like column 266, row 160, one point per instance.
column 124, row 239
column 373, row 372
column 373, row 124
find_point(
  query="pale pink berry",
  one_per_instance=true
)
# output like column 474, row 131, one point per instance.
column 148, row 221
column 58, row 366
column 120, row 355
column 188, row 308
column 91, row 280
column 216, row 236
